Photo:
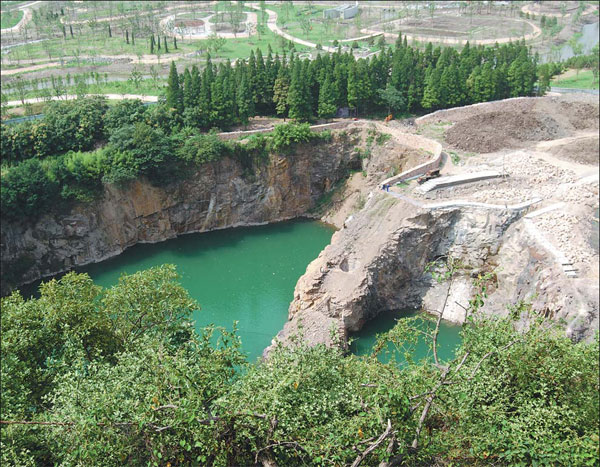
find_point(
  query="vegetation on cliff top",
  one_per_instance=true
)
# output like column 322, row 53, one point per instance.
column 119, row 377
column 47, row 166
column 154, row 142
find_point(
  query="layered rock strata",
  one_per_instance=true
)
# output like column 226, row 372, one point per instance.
column 220, row 195
column 377, row 263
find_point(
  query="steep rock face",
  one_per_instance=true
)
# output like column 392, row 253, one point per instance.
column 377, row 263
column 217, row 196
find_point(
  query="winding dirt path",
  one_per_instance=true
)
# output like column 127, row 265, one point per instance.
column 447, row 40
column 27, row 15
column 527, row 9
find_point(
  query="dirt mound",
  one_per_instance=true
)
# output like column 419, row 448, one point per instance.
column 189, row 23
column 492, row 131
column 581, row 151
column 581, row 115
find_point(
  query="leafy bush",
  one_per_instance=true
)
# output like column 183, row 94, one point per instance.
column 119, row 377
column 27, row 191
column 125, row 112
column 143, row 150
column 284, row 136
column 202, row 148
column 66, row 125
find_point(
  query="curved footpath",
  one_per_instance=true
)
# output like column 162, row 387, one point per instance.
column 447, row 40
column 251, row 30
column 27, row 15
column 35, row 100
column 272, row 25
column 527, row 9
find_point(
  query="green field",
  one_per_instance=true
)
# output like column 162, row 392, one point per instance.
column 145, row 87
column 585, row 80
column 11, row 18
column 91, row 44
column 293, row 18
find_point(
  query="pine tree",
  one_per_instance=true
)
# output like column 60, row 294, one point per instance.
column 263, row 99
column 152, row 44
column 165, row 42
column 340, row 84
column 327, row 107
column 188, row 96
column 174, row 94
column 175, row 42
column 204, row 99
column 245, row 105
column 219, row 108
column 71, row 30
column 399, row 40
column 431, row 93
column 450, row 92
column 353, row 91
column 127, row 36
column 252, row 77
column 109, row 31
column 132, row 38
column 299, row 107
column 196, row 85
column 280, row 92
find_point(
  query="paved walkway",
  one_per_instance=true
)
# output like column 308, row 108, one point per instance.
column 272, row 25
column 35, row 100
column 452, row 180
column 208, row 28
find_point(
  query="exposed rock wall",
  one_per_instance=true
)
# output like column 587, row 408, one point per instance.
column 377, row 263
column 217, row 196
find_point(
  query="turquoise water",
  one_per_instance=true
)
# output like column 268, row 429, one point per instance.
column 246, row 275
column 448, row 339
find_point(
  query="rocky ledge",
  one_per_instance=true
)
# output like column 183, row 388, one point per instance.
column 220, row 195
column 377, row 263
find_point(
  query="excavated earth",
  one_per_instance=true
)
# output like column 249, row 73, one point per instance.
column 541, row 252
column 514, row 122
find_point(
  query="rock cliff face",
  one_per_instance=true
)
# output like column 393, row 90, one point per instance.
column 377, row 263
column 218, row 196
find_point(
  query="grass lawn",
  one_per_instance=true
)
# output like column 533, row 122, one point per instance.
column 145, row 87
column 241, row 48
column 290, row 18
column 91, row 44
column 11, row 18
column 585, row 80
column 100, row 45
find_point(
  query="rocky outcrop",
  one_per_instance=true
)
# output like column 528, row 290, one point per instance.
column 377, row 263
column 219, row 195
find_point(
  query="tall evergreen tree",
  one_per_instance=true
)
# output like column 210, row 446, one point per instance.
column 327, row 106
column 431, row 93
column 281, row 91
column 245, row 104
column 299, row 107
column 196, row 85
column 174, row 92
column 188, row 91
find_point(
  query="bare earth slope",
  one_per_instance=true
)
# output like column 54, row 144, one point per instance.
column 534, row 226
